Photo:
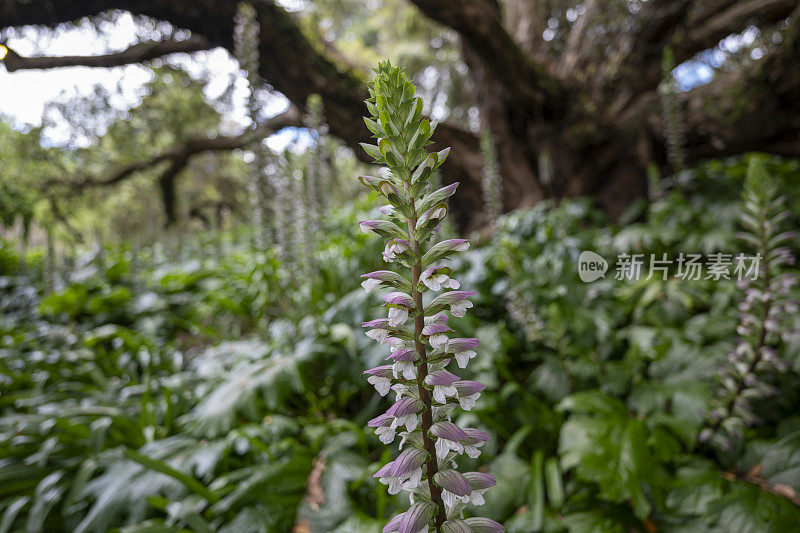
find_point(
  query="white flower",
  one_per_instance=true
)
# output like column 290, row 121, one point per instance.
column 382, row 384
column 472, row 450
column 394, row 483
column 399, row 344
column 379, row 335
column 385, row 434
column 435, row 278
column 450, row 499
column 468, row 402
column 413, row 481
column 459, row 309
column 400, row 391
column 441, row 392
column 435, row 319
column 370, row 284
column 398, row 316
column 443, row 383
column 410, row 421
column 444, row 446
column 406, row 368
column 475, row 440
column 462, row 358
column 393, row 249
column 438, row 341
column 476, row 498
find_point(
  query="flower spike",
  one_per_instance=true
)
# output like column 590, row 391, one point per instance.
column 427, row 393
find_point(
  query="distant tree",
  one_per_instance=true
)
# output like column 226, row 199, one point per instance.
column 577, row 80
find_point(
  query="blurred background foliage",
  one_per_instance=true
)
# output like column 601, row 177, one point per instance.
column 198, row 387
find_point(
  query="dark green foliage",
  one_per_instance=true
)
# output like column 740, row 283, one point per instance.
column 195, row 395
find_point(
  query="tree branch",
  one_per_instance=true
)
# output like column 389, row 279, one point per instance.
column 136, row 53
column 479, row 23
column 289, row 61
column 179, row 157
column 187, row 149
column 690, row 26
column 779, row 489
column 752, row 109
column 704, row 27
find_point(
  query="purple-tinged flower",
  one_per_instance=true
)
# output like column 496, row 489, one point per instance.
column 404, row 363
column 442, row 382
column 453, row 245
column 394, row 524
column 383, row 476
column 383, row 427
column 448, row 437
column 417, row 518
column 394, row 248
column 405, row 412
column 379, row 329
column 380, row 377
column 407, row 468
column 441, row 194
column 468, row 393
column 480, row 483
column 484, row 525
column 441, row 318
column 396, row 344
column 457, row 300
column 379, row 184
column 475, row 439
column 436, row 334
column 387, row 277
column 387, row 210
column 384, row 228
column 463, row 350
column 434, row 213
column 455, row 487
column 437, row 277
column 444, row 249
column 399, row 304
column 408, row 461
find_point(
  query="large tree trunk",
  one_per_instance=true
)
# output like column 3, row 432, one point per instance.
column 590, row 104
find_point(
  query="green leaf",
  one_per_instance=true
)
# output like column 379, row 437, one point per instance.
column 11, row 512
column 374, row 152
column 635, row 467
column 160, row 466
column 374, row 127
column 554, row 483
column 536, row 491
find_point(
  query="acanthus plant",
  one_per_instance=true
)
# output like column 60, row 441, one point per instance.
column 492, row 182
column 416, row 330
column 246, row 41
column 763, row 313
column 316, row 170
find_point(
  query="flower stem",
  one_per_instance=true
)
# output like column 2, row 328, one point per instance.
column 431, row 466
column 762, row 335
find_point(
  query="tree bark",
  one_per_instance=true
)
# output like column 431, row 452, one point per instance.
column 137, row 53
